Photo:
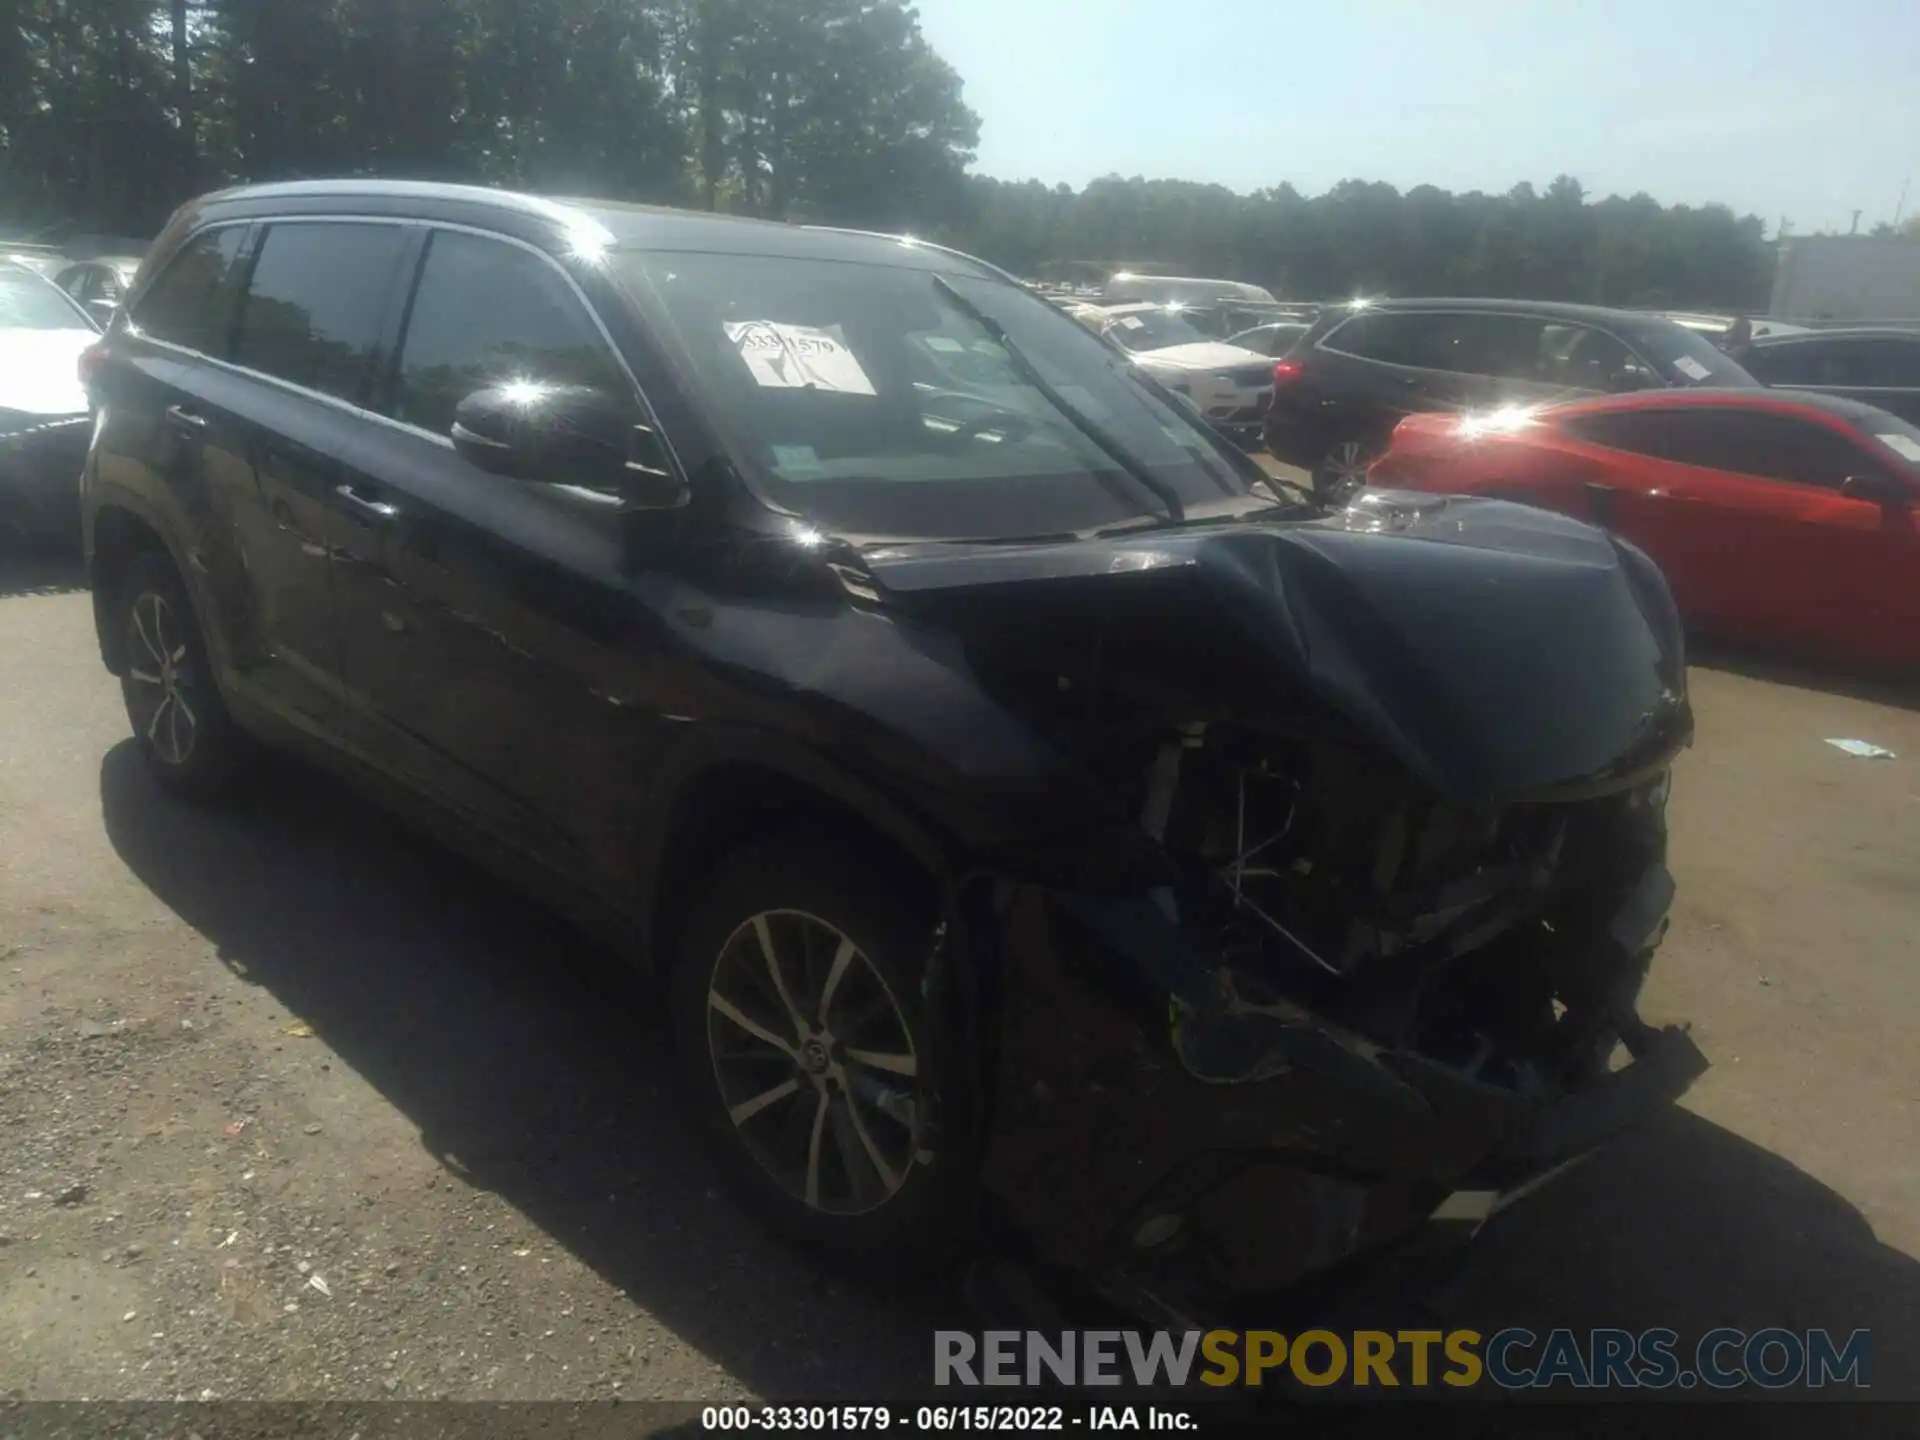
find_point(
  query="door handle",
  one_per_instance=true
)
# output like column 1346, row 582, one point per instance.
column 186, row 419
column 379, row 509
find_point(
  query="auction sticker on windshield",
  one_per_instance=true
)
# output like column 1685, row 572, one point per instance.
column 1691, row 368
column 798, row 357
column 1905, row 446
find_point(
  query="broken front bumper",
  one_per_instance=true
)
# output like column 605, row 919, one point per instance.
column 1111, row 1150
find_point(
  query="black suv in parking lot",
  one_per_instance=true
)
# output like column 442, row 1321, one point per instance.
column 1876, row 365
column 1362, row 368
column 1027, row 810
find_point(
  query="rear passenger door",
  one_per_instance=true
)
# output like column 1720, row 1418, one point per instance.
column 151, row 445
column 283, row 424
column 1796, row 560
column 1407, row 371
column 486, row 620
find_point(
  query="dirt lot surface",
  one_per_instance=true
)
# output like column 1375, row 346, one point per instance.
column 293, row 1104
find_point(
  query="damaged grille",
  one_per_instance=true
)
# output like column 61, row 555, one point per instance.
column 1349, row 868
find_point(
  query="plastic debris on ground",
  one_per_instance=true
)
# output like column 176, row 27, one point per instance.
column 1864, row 749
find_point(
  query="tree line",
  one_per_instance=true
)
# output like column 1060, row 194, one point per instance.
column 113, row 111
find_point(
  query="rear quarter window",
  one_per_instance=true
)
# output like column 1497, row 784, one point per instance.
column 190, row 301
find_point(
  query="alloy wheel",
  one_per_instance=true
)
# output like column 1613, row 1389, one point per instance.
column 1345, row 469
column 815, row 1062
column 161, row 696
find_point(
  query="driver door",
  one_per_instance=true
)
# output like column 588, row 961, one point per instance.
column 487, row 622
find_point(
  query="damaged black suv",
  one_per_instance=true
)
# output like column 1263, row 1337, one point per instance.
column 1031, row 810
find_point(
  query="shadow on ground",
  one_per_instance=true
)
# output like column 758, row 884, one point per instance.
column 517, row 1048
column 1689, row 1227
column 1878, row 688
column 39, row 567
column 489, row 1025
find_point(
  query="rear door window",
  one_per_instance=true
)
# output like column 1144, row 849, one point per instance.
column 1395, row 338
column 1580, row 357
column 1886, row 363
column 1506, row 347
column 1891, row 364
column 316, row 303
column 1636, row 432
column 489, row 313
column 190, row 302
column 1773, row 447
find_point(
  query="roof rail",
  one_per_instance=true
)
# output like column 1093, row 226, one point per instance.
column 914, row 242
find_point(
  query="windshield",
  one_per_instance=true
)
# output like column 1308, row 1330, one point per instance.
column 1688, row 358
column 868, row 399
column 1140, row 330
column 30, row 304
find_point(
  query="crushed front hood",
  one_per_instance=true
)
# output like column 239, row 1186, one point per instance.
column 1494, row 650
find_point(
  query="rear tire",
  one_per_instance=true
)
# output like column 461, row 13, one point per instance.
column 188, row 741
column 812, row 1088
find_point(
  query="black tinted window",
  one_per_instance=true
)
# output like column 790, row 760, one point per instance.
column 1394, row 339
column 1638, row 432
column 1893, row 362
column 1841, row 362
column 1581, row 357
column 1775, row 447
column 189, row 303
column 488, row 313
column 314, row 306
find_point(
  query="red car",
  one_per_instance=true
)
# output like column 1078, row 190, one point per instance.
column 1778, row 517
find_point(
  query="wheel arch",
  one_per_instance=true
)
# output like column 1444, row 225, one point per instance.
column 117, row 532
column 723, row 791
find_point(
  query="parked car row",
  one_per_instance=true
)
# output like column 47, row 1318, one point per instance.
column 1345, row 385
column 853, row 641
column 44, row 423
column 1229, row 384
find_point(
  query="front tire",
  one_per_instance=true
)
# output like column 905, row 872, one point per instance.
column 187, row 739
column 808, row 1059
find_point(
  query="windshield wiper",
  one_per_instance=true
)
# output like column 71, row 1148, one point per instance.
column 1227, row 452
column 1087, row 426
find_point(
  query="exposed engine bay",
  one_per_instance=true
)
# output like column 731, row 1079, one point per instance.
column 1371, row 997
column 1463, row 933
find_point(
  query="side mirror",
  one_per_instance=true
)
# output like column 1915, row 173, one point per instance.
column 1877, row 490
column 569, row 435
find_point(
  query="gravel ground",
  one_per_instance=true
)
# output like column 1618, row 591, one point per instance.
column 295, row 1105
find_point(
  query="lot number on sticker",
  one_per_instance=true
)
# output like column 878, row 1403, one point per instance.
column 797, row 357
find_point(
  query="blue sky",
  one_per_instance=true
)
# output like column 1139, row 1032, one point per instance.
column 1803, row 108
